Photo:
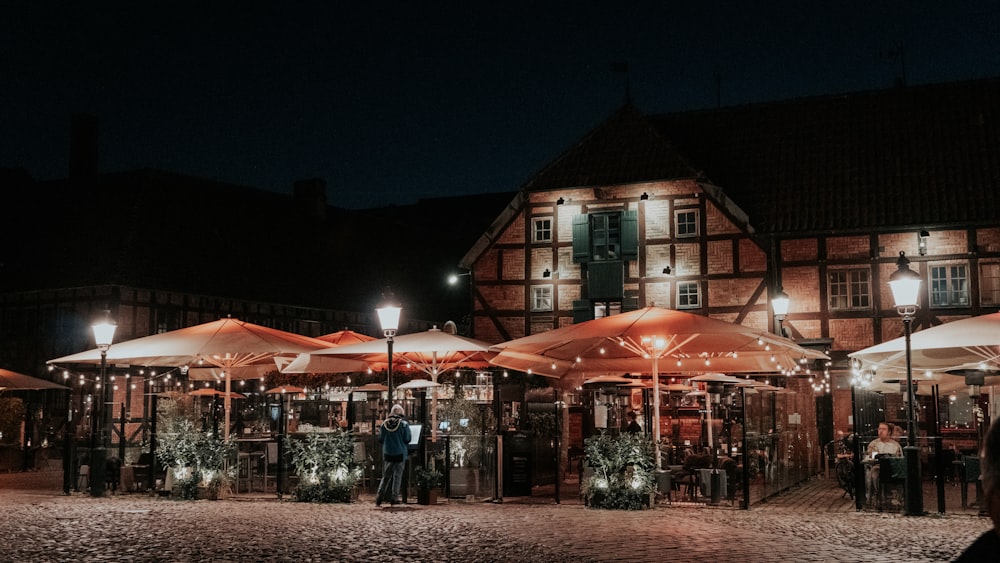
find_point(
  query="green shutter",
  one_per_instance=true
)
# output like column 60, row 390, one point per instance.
column 606, row 280
column 630, row 235
column 581, row 239
column 582, row 311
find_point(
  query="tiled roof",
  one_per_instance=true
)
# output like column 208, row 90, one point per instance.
column 626, row 148
column 927, row 156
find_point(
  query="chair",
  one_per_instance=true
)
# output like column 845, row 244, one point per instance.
column 271, row 465
column 142, row 473
column 689, row 476
column 891, row 478
column 83, row 481
column 112, row 473
column 969, row 473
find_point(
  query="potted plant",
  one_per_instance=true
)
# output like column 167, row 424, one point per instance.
column 325, row 465
column 429, row 482
column 619, row 472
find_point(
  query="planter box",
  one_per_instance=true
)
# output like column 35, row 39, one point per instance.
column 427, row 497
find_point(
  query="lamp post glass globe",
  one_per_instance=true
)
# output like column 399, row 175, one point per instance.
column 388, row 317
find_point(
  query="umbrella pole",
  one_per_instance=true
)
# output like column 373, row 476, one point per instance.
column 656, row 411
column 225, row 405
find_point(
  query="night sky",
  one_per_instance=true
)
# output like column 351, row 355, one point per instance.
column 395, row 101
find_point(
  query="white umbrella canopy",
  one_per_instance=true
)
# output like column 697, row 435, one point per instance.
column 972, row 343
column 646, row 340
column 229, row 344
column 940, row 355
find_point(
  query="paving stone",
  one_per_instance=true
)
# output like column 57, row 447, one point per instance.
column 808, row 523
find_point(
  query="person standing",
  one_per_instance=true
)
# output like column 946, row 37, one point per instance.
column 987, row 546
column 633, row 426
column 394, row 435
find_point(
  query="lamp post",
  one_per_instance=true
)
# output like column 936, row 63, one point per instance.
column 779, row 303
column 388, row 317
column 905, row 286
column 104, row 333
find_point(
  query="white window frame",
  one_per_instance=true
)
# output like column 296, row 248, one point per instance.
column 537, row 228
column 541, row 298
column 953, row 289
column 694, row 224
column 857, row 293
column 684, row 296
column 989, row 284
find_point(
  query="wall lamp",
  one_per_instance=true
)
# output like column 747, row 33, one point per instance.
column 560, row 201
column 546, row 273
column 644, row 196
column 453, row 278
column 666, row 271
column 922, row 237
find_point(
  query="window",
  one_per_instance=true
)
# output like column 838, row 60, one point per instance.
column 541, row 229
column 606, row 309
column 688, row 295
column 687, row 223
column 989, row 284
column 605, row 236
column 949, row 286
column 850, row 289
column 541, row 298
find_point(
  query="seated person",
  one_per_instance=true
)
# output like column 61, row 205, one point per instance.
column 883, row 445
column 688, row 475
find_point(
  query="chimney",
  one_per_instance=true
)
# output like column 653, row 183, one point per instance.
column 310, row 196
column 83, row 146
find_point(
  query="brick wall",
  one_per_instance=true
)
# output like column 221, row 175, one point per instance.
column 851, row 334
column 802, row 286
column 720, row 257
column 658, row 218
column 840, row 248
column 798, row 250
column 513, row 265
column 717, row 222
column 513, row 233
column 988, row 240
column 752, row 258
column 688, row 259
column 731, row 292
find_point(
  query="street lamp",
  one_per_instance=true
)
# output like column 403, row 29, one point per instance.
column 388, row 317
column 104, row 333
column 905, row 286
column 780, row 303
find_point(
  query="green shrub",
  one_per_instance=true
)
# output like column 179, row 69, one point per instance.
column 623, row 477
column 324, row 462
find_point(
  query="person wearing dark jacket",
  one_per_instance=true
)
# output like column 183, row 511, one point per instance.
column 987, row 546
column 394, row 435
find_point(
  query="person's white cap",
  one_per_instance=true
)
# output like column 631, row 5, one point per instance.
column 396, row 409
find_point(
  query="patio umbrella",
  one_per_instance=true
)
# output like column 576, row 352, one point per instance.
column 208, row 392
column 307, row 363
column 229, row 344
column 941, row 354
column 285, row 389
column 13, row 381
column 637, row 341
column 433, row 352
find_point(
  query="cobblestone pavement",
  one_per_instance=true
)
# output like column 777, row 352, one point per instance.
column 812, row 522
